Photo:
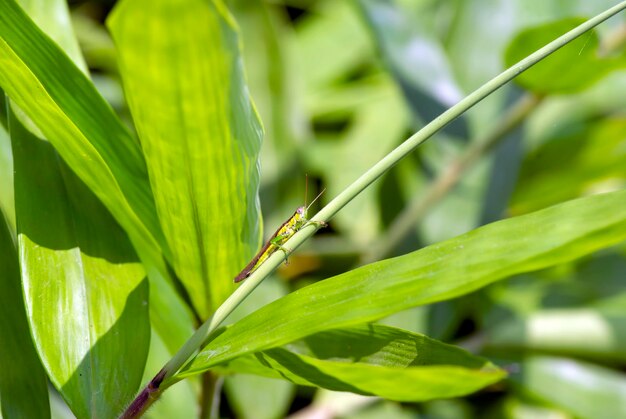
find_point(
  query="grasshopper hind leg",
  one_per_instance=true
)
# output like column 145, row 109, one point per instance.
column 278, row 241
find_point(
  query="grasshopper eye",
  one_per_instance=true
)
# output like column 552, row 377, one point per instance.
column 301, row 210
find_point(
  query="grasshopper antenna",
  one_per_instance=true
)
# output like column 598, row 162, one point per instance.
column 306, row 188
column 312, row 202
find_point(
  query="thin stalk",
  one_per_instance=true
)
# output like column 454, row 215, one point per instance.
column 211, row 391
column 165, row 377
column 421, row 204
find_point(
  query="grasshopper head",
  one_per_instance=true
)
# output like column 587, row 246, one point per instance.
column 301, row 211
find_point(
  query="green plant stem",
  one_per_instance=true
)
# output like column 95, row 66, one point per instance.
column 211, row 390
column 197, row 340
column 421, row 204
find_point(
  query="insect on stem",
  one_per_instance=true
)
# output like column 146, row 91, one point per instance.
column 287, row 229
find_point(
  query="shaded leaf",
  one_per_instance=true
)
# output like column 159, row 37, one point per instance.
column 6, row 174
column 66, row 107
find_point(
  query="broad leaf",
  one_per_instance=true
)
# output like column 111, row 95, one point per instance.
column 68, row 110
column 374, row 360
column 85, row 290
column 65, row 106
column 435, row 273
column 184, row 81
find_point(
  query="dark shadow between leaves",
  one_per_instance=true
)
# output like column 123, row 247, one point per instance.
column 56, row 209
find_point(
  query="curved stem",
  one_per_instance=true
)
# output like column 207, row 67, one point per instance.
column 421, row 204
column 198, row 339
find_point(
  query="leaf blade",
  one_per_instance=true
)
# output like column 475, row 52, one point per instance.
column 200, row 133
column 85, row 291
column 468, row 262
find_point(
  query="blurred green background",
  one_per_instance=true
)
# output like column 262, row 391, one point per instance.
column 340, row 83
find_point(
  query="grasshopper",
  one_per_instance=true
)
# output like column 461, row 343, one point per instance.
column 287, row 229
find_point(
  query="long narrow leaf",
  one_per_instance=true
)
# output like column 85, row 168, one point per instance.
column 184, row 81
column 438, row 272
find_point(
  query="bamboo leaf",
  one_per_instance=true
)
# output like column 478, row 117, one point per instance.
column 435, row 273
column 183, row 78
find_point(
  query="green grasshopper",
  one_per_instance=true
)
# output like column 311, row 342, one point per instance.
column 296, row 222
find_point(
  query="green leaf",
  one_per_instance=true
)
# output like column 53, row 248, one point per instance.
column 85, row 291
column 375, row 360
column 65, row 106
column 23, row 388
column 572, row 68
column 584, row 390
column 435, row 273
column 272, row 83
column 184, row 81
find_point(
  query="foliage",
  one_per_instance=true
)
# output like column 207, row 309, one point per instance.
column 489, row 260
